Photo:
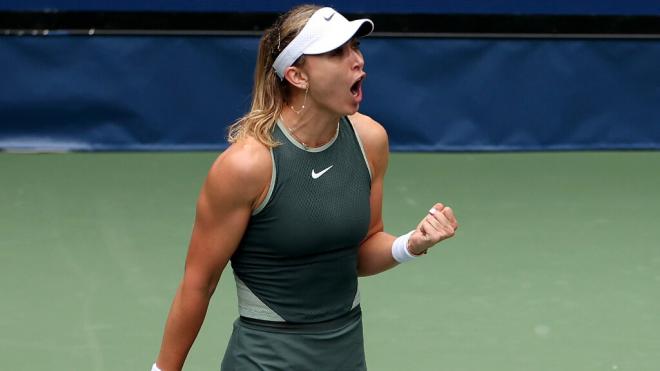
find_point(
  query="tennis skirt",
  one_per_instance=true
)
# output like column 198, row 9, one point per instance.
column 336, row 345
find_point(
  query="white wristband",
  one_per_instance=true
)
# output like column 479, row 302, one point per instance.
column 155, row 368
column 400, row 251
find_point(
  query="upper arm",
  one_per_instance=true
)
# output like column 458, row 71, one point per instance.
column 230, row 192
column 376, row 147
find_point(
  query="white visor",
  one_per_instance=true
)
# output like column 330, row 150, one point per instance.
column 326, row 30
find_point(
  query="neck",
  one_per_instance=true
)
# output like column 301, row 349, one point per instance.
column 310, row 127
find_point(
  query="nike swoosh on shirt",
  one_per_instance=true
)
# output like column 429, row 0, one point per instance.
column 316, row 175
column 330, row 17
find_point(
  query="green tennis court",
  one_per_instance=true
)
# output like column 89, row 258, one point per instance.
column 556, row 265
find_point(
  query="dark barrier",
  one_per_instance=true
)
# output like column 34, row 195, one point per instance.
column 615, row 7
column 180, row 93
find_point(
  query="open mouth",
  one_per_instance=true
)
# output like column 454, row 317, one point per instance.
column 356, row 88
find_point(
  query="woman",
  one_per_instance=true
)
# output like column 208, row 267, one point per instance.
column 295, row 204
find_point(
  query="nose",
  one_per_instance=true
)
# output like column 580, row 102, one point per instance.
column 358, row 60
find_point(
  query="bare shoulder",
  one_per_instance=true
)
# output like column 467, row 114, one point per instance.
column 368, row 129
column 374, row 139
column 243, row 170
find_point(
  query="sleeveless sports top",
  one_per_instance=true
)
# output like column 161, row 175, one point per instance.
column 297, row 260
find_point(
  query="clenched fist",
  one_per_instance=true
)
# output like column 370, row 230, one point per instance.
column 439, row 224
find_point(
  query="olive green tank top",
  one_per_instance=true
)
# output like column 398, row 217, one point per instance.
column 298, row 256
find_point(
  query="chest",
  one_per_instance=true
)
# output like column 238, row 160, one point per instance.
column 319, row 203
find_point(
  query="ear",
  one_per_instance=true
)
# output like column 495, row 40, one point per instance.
column 296, row 77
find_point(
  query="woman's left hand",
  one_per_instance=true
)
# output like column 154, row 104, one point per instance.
column 439, row 224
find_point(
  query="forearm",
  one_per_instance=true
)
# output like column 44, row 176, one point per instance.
column 375, row 254
column 183, row 323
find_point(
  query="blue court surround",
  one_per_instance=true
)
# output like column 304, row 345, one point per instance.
column 432, row 94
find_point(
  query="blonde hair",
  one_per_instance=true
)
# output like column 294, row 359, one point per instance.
column 269, row 93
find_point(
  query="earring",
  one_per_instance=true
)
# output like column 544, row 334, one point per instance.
column 304, row 101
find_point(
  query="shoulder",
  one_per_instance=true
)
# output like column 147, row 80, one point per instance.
column 242, row 171
column 368, row 129
column 374, row 139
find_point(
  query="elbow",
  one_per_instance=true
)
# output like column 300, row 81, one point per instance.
column 366, row 269
column 200, row 285
column 365, row 273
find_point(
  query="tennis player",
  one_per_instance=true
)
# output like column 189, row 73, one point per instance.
column 295, row 204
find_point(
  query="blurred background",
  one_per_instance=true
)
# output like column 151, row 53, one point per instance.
column 466, row 76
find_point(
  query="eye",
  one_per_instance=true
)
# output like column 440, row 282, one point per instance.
column 336, row 52
column 342, row 50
